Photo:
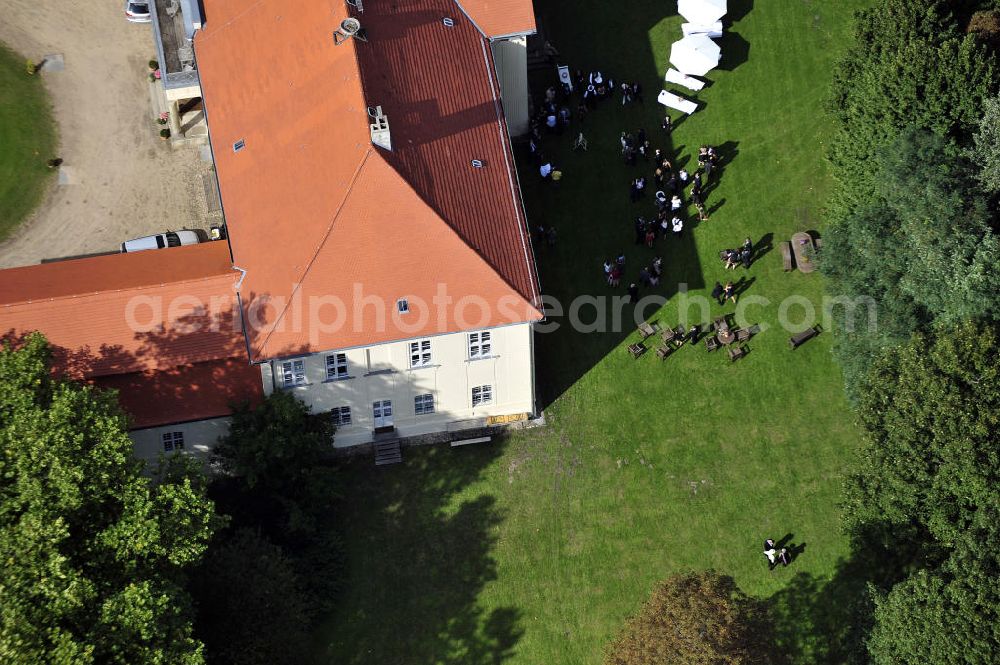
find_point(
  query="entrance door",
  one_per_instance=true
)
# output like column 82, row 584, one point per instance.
column 382, row 412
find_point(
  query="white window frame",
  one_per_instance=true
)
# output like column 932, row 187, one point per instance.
column 172, row 441
column 480, row 344
column 336, row 367
column 341, row 416
column 420, row 353
column 423, row 404
column 482, row 395
column 293, row 373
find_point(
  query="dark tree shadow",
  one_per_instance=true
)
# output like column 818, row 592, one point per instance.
column 419, row 559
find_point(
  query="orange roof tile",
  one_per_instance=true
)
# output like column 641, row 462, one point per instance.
column 312, row 208
column 501, row 18
column 182, row 394
column 113, row 272
column 137, row 321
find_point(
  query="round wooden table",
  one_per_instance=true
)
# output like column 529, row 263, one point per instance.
column 726, row 337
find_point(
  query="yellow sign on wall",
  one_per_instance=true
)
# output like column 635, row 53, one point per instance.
column 503, row 420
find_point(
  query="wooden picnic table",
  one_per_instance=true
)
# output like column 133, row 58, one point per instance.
column 726, row 336
column 805, row 251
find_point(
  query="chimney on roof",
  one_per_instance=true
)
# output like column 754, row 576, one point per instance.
column 349, row 27
column 380, row 128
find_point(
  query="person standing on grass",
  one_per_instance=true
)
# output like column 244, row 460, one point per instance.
column 650, row 237
column 683, row 175
column 717, row 293
column 607, row 271
column 678, row 226
column 709, row 165
column 770, row 554
column 666, row 125
column 616, row 275
column 729, row 292
column 551, row 236
column 640, row 230
column 702, row 213
column 783, row 557
column 745, row 258
column 633, row 293
column 675, row 203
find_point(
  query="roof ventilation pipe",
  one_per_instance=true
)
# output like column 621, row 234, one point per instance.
column 349, row 27
column 357, row 5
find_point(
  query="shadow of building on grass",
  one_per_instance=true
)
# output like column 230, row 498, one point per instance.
column 590, row 207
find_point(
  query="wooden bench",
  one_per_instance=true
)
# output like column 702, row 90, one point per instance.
column 737, row 352
column 646, row 330
column 721, row 323
column 711, row 343
column 668, row 335
column 742, row 334
column 465, row 442
column 664, row 351
column 636, row 349
column 786, row 255
column 795, row 341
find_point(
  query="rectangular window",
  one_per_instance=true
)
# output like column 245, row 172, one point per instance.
column 340, row 415
column 420, row 353
column 482, row 395
column 423, row 404
column 173, row 441
column 336, row 366
column 479, row 344
column 293, row 373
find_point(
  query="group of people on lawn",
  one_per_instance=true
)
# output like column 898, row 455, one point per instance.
column 671, row 185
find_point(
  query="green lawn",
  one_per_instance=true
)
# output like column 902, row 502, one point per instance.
column 533, row 550
column 27, row 140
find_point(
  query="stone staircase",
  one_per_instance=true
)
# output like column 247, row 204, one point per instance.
column 387, row 452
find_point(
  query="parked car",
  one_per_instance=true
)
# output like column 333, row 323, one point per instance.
column 161, row 240
column 137, row 11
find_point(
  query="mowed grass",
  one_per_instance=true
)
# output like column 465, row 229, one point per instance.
column 27, row 140
column 534, row 549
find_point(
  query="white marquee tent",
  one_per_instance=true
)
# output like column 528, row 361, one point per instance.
column 695, row 55
column 702, row 12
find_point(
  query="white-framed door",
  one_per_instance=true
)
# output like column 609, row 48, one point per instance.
column 382, row 413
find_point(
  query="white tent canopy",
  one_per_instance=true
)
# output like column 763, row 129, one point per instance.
column 695, row 55
column 702, row 12
column 714, row 31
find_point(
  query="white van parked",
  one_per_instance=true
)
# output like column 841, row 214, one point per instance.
column 161, row 240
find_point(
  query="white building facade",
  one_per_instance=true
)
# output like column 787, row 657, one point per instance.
column 444, row 383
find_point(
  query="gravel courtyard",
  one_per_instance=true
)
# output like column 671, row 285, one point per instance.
column 123, row 180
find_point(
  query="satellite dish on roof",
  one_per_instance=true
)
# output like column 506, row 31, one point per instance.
column 349, row 27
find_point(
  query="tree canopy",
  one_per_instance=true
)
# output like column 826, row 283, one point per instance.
column 95, row 554
column 694, row 619
column 928, row 483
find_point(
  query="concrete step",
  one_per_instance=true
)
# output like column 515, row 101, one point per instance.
column 388, row 452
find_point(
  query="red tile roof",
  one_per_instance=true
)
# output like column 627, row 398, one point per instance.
column 119, row 313
column 313, row 208
column 182, row 394
column 501, row 18
column 162, row 327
